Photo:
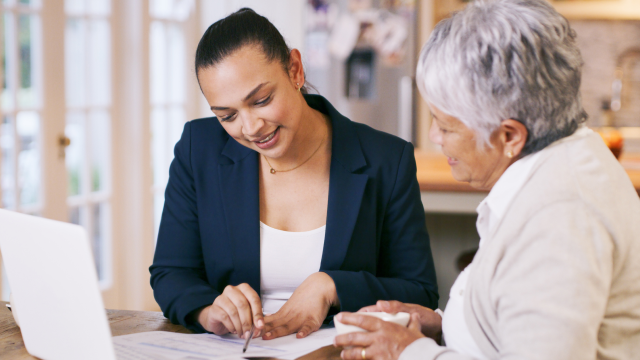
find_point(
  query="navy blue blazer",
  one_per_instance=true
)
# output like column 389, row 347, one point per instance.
column 376, row 244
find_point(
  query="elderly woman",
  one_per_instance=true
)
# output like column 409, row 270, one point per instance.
column 557, row 274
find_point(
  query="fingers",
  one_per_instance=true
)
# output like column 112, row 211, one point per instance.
column 364, row 322
column 307, row 328
column 355, row 353
column 276, row 320
column 217, row 316
column 277, row 332
column 370, row 308
column 231, row 313
column 392, row 306
column 414, row 322
column 359, row 338
column 255, row 303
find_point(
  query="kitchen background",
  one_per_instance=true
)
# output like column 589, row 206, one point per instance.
column 95, row 94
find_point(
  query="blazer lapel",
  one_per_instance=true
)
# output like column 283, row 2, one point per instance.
column 346, row 187
column 241, row 203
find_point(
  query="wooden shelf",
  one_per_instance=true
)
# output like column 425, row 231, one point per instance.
column 434, row 173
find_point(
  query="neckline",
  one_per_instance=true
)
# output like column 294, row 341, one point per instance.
column 263, row 225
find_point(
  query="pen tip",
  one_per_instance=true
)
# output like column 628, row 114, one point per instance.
column 244, row 351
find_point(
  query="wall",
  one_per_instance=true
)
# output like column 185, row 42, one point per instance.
column 601, row 44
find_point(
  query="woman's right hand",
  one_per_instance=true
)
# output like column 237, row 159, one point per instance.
column 430, row 322
column 234, row 311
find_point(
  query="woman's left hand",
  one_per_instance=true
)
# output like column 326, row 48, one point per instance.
column 305, row 311
column 383, row 341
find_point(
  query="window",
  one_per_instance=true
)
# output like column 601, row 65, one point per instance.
column 88, row 124
column 21, row 107
column 168, row 72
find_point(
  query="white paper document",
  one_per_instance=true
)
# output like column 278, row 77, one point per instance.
column 163, row 345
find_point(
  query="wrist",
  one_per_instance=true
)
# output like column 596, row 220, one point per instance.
column 329, row 292
column 201, row 316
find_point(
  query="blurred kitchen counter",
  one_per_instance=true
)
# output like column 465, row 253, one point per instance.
column 441, row 193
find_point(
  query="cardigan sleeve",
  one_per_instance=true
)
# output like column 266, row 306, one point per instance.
column 405, row 269
column 177, row 274
column 552, row 285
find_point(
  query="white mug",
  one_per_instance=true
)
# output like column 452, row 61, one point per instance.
column 401, row 318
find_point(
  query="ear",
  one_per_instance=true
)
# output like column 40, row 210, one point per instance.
column 514, row 136
column 296, row 70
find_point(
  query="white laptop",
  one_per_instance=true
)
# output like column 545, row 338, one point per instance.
column 54, row 288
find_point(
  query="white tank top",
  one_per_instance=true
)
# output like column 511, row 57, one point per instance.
column 286, row 260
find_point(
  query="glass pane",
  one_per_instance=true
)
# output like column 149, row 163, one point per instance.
column 75, row 153
column 99, row 237
column 99, row 7
column 158, row 59
column 8, row 66
column 158, row 146
column 176, row 65
column 75, row 66
column 161, row 9
column 26, row 93
column 75, row 7
column 76, row 216
column 100, row 148
column 99, row 62
column 7, row 148
column 176, row 124
column 181, row 9
column 28, row 126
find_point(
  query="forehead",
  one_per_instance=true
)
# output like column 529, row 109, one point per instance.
column 236, row 75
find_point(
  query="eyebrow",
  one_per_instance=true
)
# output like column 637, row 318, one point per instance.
column 253, row 92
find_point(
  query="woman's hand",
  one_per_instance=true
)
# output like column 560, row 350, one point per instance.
column 430, row 322
column 305, row 311
column 234, row 311
column 383, row 341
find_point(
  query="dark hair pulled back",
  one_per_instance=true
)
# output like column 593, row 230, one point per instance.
column 243, row 27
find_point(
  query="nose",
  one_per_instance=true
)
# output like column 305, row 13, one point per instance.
column 434, row 133
column 251, row 126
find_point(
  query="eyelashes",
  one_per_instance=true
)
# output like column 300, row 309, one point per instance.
column 262, row 102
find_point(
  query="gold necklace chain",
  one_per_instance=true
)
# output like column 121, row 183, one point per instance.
column 274, row 171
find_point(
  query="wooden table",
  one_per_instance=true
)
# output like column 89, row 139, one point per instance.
column 441, row 193
column 122, row 322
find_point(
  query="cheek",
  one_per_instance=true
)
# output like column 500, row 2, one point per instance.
column 234, row 129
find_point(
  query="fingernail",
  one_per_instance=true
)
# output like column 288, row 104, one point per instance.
column 301, row 334
column 246, row 335
column 267, row 334
column 384, row 303
column 342, row 354
column 339, row 317
column 260, row 323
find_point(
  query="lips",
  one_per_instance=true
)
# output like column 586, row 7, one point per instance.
column 269, row 140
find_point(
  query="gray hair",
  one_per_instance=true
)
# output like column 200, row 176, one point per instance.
column 505, row 59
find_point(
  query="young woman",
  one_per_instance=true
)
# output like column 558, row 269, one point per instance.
column 281, row 204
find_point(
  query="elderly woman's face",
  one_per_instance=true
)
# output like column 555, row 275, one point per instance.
column 481, row 166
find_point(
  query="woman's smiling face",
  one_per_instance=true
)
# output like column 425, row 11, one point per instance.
column 255, row 100
column 480, row 166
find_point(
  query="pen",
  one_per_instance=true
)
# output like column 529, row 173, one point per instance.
column 246, row 342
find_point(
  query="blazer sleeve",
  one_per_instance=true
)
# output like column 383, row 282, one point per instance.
column 405, row 269
column 178, row 274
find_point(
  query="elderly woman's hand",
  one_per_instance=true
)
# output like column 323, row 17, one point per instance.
column 383, row 341
column 430, row 322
